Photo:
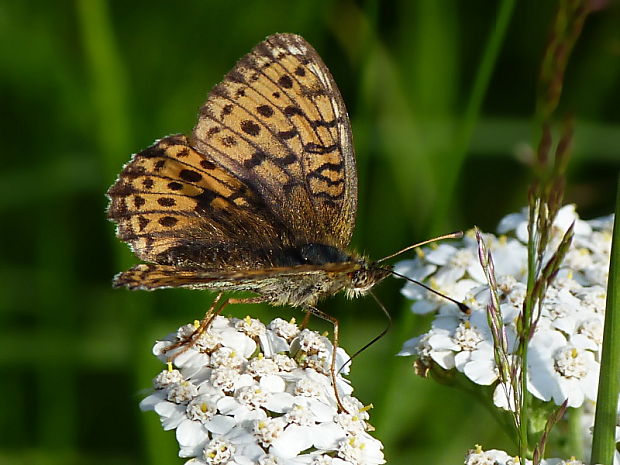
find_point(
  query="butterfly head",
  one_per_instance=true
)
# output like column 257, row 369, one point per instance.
column 363, row 279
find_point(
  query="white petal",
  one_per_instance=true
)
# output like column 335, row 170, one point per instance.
column 327, row 436
column 191, row 433
column 171, row 414
column 522, row 233
column 227, row 405
column 272, row 383
column 280, row 402
column 188, row 358
column 441, row 255
column 245, row 415
column 220, row 424
column 277, row 344
column 321, row 410
column 412, row 291
column 244, row 380
column 422, row 306
column 444, row 358
column 149, row 403
column 583, row 342
column 449, row 275
column 571, row 391
column 238, row 341
column 541, row 381
column 500, row 398
column 510, row 222
column 191, row 451
column 461, row 358
column 341, row 358
column 292, row 441
column 462, row 287
column 405, row 266
column 476, row 271
column 589, row 384
column 510, row 260
column 481, row 372
column 440, row 341
column 410, row 347
column 158, row 350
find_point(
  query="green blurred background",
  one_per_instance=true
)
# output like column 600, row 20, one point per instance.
column 441, row 96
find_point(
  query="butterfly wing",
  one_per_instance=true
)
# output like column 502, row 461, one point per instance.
column 295, row 285
column 174, row 206
column 278, row 122
column 266, row 181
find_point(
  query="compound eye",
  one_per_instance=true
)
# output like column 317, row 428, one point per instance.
column 359, row 279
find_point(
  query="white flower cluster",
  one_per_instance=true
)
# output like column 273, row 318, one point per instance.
column 246, row 393
column 564, row 352
column 499, row 457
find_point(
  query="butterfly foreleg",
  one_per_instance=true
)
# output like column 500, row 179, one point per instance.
column 204, row 324
column 335, row 341
column 306, row 319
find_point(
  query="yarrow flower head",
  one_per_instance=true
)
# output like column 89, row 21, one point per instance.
column 478, row 456
column 564, row 351
column 248, row 393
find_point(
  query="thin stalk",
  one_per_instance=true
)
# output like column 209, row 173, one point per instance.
column 574, row 436
column 604, row 444
column 524, row 331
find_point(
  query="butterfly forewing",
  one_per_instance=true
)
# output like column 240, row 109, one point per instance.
column 277, row 121
column 280, row 285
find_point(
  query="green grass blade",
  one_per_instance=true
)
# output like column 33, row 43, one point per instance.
column 604, row 444
column 472, row 113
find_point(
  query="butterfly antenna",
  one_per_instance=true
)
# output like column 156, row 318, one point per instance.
column 454, row 235
column 377, row 337
column 462, row 307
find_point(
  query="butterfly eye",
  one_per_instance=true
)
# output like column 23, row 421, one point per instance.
column 360, row 279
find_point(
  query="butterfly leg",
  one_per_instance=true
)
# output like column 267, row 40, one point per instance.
column 306, row 319
column 206, row 322
column 332, row 369
column 211, row 314
column 202, row 327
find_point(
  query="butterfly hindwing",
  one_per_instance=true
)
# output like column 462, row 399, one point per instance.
column 175, row 207
column 278, row 122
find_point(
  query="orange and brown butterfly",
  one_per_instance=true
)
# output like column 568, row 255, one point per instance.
column 260, row 197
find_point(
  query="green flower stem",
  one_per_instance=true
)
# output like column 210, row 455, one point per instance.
column 574, row 437
column 526, row 318
column 604, row 444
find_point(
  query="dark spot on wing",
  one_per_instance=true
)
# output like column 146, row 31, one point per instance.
column 285, row 81
column 166, row 201
column 265, row 110
column 255, row 160
column 168, row 221
column 287, row 134
column 293, row 110
column 250, row 127
column 190, row 175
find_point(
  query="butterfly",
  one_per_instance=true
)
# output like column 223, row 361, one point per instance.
column 260, row 197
